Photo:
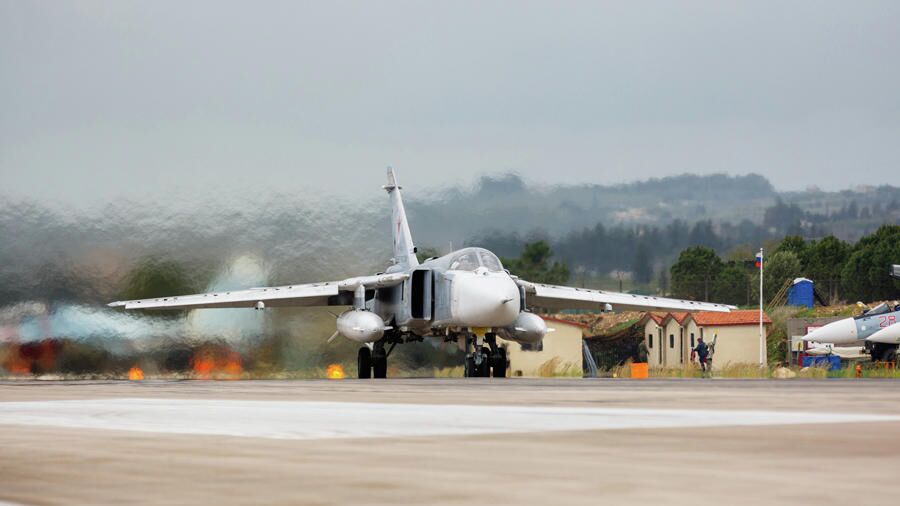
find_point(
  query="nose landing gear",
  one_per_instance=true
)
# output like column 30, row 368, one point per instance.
column 484, row 356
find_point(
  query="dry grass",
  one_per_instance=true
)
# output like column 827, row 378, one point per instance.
column 556, row 368
column 450, row 372
column 748, row 371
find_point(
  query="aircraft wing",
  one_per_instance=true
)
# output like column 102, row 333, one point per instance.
column 566, row 297
column 330, row 293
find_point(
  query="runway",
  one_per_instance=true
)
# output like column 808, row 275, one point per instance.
column 448, row 442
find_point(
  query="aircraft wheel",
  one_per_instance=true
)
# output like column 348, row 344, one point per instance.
column 470, row 367
column 379, row 363
column 498, row 363
column 889, row 355
column 484, row 370
column 364, row 363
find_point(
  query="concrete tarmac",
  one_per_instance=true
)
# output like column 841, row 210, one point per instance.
column 436, row 441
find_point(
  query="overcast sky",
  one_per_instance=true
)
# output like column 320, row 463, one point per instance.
column 100, row 100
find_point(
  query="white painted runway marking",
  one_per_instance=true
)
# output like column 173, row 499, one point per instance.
column 327, row 420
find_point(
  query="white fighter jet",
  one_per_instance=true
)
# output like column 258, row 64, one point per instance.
column 465, row 294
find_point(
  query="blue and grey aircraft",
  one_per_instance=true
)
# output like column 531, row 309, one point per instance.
column 876, row 329
column 465, row 296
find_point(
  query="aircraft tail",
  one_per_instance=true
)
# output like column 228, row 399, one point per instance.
column 404, row 251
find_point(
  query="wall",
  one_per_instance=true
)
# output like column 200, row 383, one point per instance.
column 565, row 344
column 673, row 349
column 650, row 328
column 736, row 344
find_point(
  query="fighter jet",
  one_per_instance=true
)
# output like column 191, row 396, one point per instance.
column 875, row 329
column 465, row 296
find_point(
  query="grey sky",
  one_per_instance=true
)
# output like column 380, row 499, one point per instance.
column 106, row 99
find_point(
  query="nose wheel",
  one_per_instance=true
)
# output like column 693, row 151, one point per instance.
column 483, row 360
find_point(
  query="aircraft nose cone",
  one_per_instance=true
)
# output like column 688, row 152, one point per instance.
column 839, row 332
column 485, row 301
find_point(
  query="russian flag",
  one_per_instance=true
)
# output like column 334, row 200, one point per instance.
column 759, row 260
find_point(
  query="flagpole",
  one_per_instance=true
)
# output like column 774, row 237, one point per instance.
column 762, row 338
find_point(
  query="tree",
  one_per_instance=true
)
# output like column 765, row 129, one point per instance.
column 640, row 264
column 703, row 234
column 824, row 261
column 534, row 264
column 865, row 275
column 795, row 244
column 694, row 272
column 730, row 286
column 782, row 216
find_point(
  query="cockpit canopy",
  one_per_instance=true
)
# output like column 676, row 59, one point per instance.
column 879, row 309
column 470, row 259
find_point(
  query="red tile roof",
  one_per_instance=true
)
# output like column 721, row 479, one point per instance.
column 657, row 317
column 737, row 317
column 680, row 316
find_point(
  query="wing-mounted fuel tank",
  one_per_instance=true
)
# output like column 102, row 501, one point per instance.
column 528, row 328
column 361, row 326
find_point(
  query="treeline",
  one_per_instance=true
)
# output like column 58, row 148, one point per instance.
column 840, row 271
column 646, row 251
column 641, row 250
column 791, row 219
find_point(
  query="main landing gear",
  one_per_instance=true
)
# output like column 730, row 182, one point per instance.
column 884, row 352
column 372, row 362
column 484, row 356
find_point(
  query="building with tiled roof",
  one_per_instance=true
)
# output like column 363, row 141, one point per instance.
column 670, row 338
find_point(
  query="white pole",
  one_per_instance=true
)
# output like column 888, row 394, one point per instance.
column 762, row 337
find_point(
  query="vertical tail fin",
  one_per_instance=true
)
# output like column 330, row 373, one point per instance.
column 404, row 251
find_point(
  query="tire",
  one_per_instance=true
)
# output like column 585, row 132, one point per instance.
column 379, row 364
column 889, row 355
column 484, row 370
column 364, row 363
column 498, row 363
column 470, row 367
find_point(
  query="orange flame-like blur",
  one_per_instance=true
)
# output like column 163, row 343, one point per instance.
column 335, row 372
column 217, row 363
column 135, row 374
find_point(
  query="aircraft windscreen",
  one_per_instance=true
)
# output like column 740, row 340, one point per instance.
column 879, row 309
column 490, row 261
column 465, row 262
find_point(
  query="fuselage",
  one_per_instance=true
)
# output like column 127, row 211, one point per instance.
column 855, row 330
column 465, row 289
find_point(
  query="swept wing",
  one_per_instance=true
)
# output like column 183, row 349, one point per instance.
column 330, row 293
column 566, row 297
